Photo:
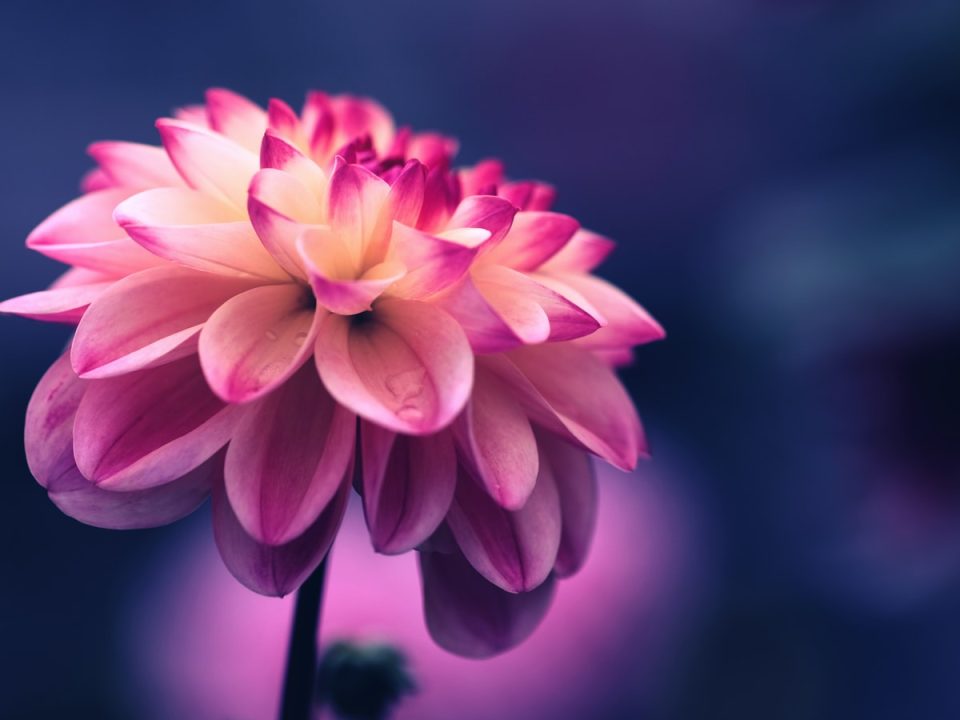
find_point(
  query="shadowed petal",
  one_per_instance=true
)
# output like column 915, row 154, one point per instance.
column 149, row 317
column 515, row 550
column 408, row 484
column 209, row 162
column 469, row 616
column 280, row 207
column 433, row 262
column 256, row 340
column 65, row 305
column 496, row 441
column 577, row 487
column 275, row 570
column 287, row 459
column 407, row 366
column 149, row 427
column 487, row 212
column 48, row 432
column 196, row 230
column 533, row 238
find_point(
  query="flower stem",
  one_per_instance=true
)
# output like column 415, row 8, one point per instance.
column 300, row 679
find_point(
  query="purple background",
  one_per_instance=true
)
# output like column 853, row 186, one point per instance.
column 783, row 180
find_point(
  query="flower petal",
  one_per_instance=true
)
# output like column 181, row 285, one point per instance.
column 408, row 484
column 515, row 550
column 84, row 233
column 65, row 305
column 496, row 441
column 198, row 231
column 278, row 153
column 487, row 212
column 287, row 459
column 280, row 206
column 48, row 431
column 585, row 251
column 332, row 275
column 407, row 367
column 569, row 391
column 235, row 116
column 473, row 618
column 577, row 487
column 209, row 162
column 274, row 570
column 433, row 262
column 256, row 340
column 626, row 323
column 134, row 165
column 533, row 238
column 356, row 116
column 356, row 199
column 149, row 427
column 528, row 194
column 150, row 317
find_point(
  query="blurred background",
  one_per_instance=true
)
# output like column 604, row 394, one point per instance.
column 783, row 178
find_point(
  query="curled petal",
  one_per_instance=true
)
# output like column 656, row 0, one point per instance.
column 134, row 165
column 433, row 262
column 569, row 391
column 149, row 427
column 196, row 230
column 585, row 251
column 497, row 443
column 209, row 162
column 235, row 116
column 274, row 570
column 471, row 617
column 407, row 366
column 577, row 487
column 332, row 275
column 280, row 207
column 515, row 550
column 287, row 459
column 279, row 153
column 147, row 318
column 256, row 340
column 83, row 233
column 356, row 199
column 533, row 238
column 487, row 212
column 408, row 484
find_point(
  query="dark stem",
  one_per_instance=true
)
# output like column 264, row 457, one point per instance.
column 299, row 683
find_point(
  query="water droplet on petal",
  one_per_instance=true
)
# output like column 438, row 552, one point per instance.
column 299, row 339
column 271, row 335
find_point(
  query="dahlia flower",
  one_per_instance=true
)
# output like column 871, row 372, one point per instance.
column 273, row 308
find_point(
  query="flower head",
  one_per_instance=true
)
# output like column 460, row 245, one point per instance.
column 274, row 307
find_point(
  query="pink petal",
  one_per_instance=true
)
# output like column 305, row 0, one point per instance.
column 484, row 328
column 432, row 149
column 198, row 231
column 235, row 116
column 361, row 116
column 481, row 176
column 473, row 618
column 283, row 120
column 193, row 114
column 577, row 487
column 356, row 199
column 332, row 274
column 136, row 509
column 515, row 550
column 496, row 441
column 407, row 366
column 487, row 212
column 408, row 484
column 280, row 206
column 147, row 318
column 65, row 305
column 433, row 262
column 533, row 238
column 258, row 339
column 279, row 153
column 569, row 391
column 528, row 194
column 79, row 276
column 209, row 162
column 96, row 179
column 274, row 570
column 134, row 165
column 627, row 324
column 585, row 251
column 287, row 459
column 441, row 195
column 149, row 427
column 534, row 312
column 84, row 233
column 48, row 431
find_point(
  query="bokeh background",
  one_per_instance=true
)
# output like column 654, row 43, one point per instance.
column 783, row 177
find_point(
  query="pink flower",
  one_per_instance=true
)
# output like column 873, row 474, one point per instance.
column 272, row 304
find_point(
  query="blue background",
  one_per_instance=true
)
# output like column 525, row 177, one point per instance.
column 783, row 181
